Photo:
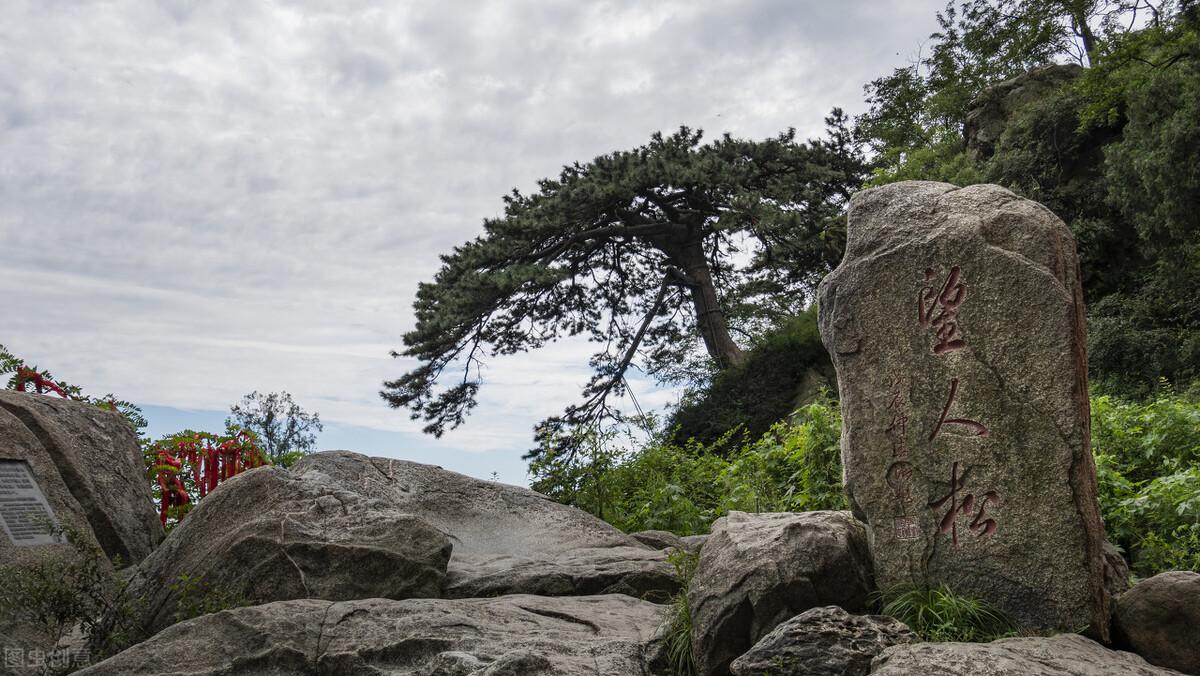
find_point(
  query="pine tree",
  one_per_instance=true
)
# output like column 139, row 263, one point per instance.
column 644, row 251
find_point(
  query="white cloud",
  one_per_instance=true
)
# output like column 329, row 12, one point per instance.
column 201, row 199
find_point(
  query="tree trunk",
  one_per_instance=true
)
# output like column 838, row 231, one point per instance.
column 1079, row 17
column 710, row 318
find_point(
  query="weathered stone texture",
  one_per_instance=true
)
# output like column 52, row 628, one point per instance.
column 514, row 635
column 1062, row 655
column 824, row 641
column 1159, row 619
column 659, row 539
column 956, row 325
column 991, row 112
column 269, row 535
column 507, row 539
column 88, row 464
column 757, row 570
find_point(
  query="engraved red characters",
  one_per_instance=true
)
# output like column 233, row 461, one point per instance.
column 938, row 310
column 979, row 428
column 945, row 302
column 964, row 504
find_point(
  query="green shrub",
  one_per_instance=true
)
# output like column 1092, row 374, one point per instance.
column 1148, row 470
column 762, row 391
column 683, row 488
column 939, row 614
column 79, row 589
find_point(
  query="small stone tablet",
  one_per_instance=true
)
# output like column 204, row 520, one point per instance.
column 25, row 515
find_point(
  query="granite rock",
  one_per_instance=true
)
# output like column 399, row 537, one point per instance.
column 1159, row 619
column 270, row 535
column 956, row 324
column 507, row 539
column 758, row 570
column 520, row 635
column 1061, row 655
column 88, row 463
column 825, row 641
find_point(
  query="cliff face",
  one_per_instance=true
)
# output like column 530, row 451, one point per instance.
column 992, row 111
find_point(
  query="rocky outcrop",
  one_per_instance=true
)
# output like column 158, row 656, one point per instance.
column 1062, row 655
column 992, row 110
column 507, row 540
column 1159, row 619
column 509, row 636
column 270, row 535
column 87, row 462
column 956, row 323
column 757, row 570
column 827, row 641
column 659, row 539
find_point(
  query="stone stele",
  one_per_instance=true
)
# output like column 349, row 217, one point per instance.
column 956, row 324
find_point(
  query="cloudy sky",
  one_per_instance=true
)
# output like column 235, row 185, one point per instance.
column 199, row 199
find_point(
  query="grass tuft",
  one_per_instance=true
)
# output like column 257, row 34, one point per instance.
column 680, row 659
column 939, row 614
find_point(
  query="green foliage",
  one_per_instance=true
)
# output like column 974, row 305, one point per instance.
column 1177, row 550
column 944, row 161
column 1113, row 153
column 939, row 614
column 1148, row 468
column 683, row 488
column 195, row 597
column 77, row 589
column 915, row 117
column 761, row 391
column 643, row 251
column 285, row 431
column 27, row 378
column 680, row 659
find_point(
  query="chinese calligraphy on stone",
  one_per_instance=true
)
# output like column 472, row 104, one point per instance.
column 962, row 502
column 946, row 303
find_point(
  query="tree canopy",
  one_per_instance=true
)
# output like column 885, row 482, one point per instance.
column 285, row 430
column 921, row 108
column 1111, row 148
column 647, row 252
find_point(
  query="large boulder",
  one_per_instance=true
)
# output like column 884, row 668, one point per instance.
column 993, row 109
column 87, row 464
column 757, row 570
column 507, row 540
column 270, row 535
column 508, row 636
column 1159, row 619
column 66, row 466
column 824, row 641
column 1062, row 655
column 956, row 324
